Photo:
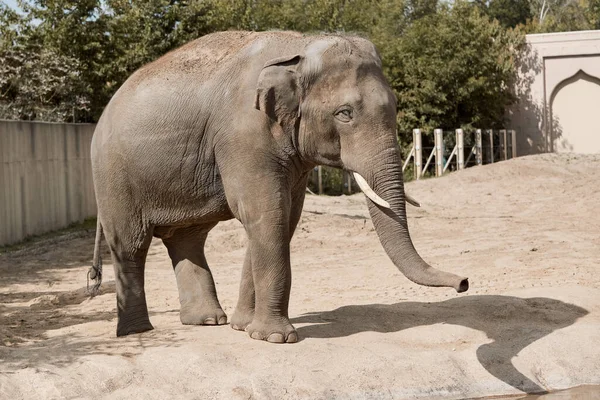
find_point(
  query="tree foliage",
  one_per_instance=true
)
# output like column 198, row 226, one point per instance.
column 541, row 16
column 457, row 70
column 508, row 13
column 449, row 63
column 37, row 82
column 563, row 15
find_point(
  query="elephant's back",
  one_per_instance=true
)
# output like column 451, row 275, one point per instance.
column 213, row 53
column 202, row 56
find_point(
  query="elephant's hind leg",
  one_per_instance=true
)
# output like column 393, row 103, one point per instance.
column 197, row 292
column 128, row 251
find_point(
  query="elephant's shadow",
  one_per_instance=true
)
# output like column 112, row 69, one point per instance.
column 512, row 322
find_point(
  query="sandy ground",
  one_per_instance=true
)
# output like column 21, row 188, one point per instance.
column 526, row 232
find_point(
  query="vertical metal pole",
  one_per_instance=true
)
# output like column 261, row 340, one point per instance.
column 418, row 153
column 478, row 148
column 491, row 133
column 410, row 154
column 504, row 144
column 514, row 143
column 460, row 145
column 349, row 182
column 320, row 178
column 438, row 137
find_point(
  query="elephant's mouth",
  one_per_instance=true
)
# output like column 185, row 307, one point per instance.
column 370, row 193
column 375, row 198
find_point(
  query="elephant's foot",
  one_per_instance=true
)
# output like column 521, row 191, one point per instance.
column 273, row 330
column 202, row 315
column 241, row 319
column 128, row 327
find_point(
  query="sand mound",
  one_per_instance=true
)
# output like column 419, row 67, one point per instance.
column 525, row 231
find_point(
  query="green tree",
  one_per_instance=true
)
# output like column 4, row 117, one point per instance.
column 594, row 13
column 455, row 69
column 417, row 9
column 74, row 30
column 36, row 82
column 108, row 40
column 509, row 13
column 448, row 64
column 563, row 15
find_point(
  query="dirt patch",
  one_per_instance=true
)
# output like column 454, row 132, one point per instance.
column 526, row 232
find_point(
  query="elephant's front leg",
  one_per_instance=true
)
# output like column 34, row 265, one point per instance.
column 244, row 310
column 272, row 276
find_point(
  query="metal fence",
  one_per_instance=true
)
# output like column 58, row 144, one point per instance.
column 432, row 154
column 479, row 146
column 45, row 177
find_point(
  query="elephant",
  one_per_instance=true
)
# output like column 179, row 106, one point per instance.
column 230, row 126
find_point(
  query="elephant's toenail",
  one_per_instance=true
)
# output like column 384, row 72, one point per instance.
column 276, row 338
column 292, row 337
column 210, row 321
column 256, row 335
column 222, row 320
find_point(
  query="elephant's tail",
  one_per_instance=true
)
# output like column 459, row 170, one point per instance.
column 95, row 272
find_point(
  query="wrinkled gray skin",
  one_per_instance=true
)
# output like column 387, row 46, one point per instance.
column 229, row 126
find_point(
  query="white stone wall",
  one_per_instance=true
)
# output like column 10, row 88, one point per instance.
column 559, row 87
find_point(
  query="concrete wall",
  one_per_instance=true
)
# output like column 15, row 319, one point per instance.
column 575, row 125
column 45, row 177
column 559, row 88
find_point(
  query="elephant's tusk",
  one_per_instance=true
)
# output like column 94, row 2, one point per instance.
column 411, row 201
column 370, row 193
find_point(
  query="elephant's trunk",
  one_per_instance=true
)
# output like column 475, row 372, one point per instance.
column 385, row 179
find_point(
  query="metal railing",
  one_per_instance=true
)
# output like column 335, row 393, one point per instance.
column 500, row 145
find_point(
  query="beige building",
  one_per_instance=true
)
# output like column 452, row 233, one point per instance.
column 559, row 107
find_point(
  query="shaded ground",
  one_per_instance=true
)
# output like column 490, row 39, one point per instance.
column 525, row 231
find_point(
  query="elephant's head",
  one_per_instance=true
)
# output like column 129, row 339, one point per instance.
column 335, row 102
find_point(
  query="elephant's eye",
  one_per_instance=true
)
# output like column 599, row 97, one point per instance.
column 344, row 114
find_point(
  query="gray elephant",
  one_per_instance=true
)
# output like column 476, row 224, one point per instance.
column 229, row 126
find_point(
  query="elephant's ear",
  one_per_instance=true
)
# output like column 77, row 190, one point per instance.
column 277, row 90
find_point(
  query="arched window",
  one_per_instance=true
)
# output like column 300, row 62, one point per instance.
column 575, row 114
